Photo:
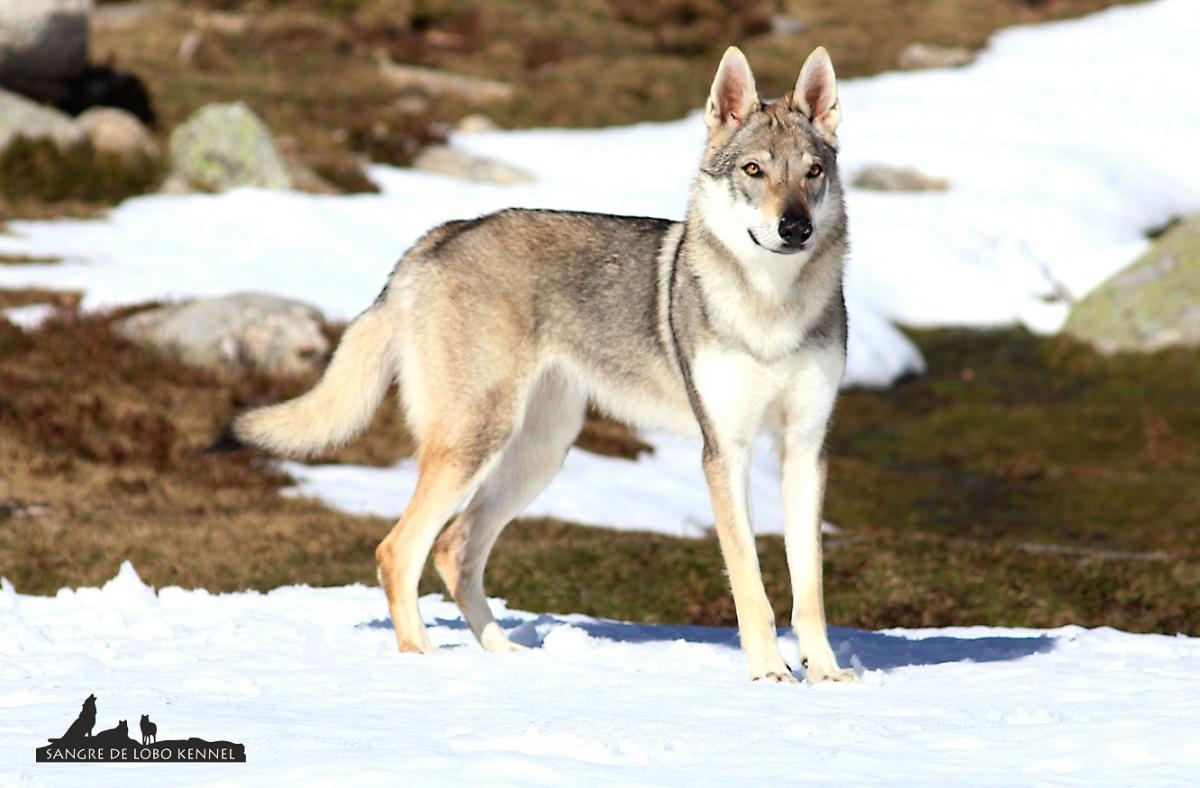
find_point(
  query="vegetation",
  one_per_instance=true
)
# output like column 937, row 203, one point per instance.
column 1024, row 481
column 41, row 172
column 310, row 67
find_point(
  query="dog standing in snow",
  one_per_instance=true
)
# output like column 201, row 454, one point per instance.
column 500, row 329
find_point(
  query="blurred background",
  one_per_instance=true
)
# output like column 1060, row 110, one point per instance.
column 1026, row 458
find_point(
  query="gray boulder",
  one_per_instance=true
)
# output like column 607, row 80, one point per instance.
column 887, row 178
column 42, row 41
column 113, row 130
column 919, row 55
column 1152, row 304
column 222, row 146
column 241, row 331
column 21, row 117
column 455, row 163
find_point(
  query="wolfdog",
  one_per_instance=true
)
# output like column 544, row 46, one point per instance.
column 499, row 331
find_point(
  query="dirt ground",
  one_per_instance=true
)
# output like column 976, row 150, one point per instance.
column 1024, row 481
column 311, row 69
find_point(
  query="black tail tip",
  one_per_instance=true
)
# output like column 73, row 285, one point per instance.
column 226, row 442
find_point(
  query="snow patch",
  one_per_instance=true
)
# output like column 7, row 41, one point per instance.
column 1051, row 190
column 663, row 491
column 310, row 681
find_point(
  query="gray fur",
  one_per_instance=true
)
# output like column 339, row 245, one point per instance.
column 501, row 328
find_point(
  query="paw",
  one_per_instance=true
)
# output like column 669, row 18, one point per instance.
column 817, row 673
column 774, row 672
column 495, row 641
column 412, row 647
column 502, row 645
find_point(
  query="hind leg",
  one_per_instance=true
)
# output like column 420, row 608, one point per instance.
column 553, row 418
column 446, row 477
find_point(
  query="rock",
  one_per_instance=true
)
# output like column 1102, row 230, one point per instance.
column 123, row 15
column 222, row 146
column 13, row 508
column 787, row 25
column 116, row 131
column 445, row 160
column 42, row 42
column 245, row 330
column 411, row 105
column 187, row 47
column 22, row 117
column 1152, row 304
column 175, row 184
column 441, row 83
column 476, row 124
column 225, row 22
column 917, row 55
column 887, row 178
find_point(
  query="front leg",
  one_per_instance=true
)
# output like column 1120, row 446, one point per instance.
column 726, row 467
column 803, row 490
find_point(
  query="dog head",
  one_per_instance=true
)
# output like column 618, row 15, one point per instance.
column 769, row 176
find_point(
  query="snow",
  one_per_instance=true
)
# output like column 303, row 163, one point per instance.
column 27, row 317
column 1063, row 143
column 663, row 491
column 310, row 682
column 1059, row 155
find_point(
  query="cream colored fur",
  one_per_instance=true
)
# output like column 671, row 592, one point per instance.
column 340, row 406
column 498, row 346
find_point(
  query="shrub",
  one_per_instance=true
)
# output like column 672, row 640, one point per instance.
column 39, row 169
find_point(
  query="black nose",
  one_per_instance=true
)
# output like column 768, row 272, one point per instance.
column 795, row 228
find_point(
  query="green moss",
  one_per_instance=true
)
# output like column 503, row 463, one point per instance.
column 1153, row 303
column 1024, row 438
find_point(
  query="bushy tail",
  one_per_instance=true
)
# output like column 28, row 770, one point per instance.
column 336, row 409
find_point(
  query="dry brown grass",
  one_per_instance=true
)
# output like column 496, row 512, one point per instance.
column 941, row 486
column 310, row 67
column 100, row 460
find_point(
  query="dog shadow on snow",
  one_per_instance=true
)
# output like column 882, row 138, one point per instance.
column 873, row 650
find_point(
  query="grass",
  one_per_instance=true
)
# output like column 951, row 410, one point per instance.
column 33, row 295
column 44, row 174
column 25, row 259
column 309, row 67
column 1024, row 482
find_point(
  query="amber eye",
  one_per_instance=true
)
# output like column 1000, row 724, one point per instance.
column 815, row 171
column 752, row 169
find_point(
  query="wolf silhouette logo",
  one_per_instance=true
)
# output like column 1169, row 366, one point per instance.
column 149, row 730
column 80, row 745
column 83, row 724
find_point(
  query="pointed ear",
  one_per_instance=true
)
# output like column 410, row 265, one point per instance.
column 733, row 96
column 815, row 95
